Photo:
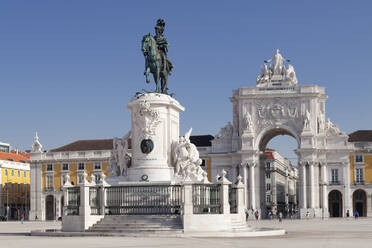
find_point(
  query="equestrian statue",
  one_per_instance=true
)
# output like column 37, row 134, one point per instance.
column 155, row 50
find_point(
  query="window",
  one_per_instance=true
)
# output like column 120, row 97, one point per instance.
column 268, row 175
column 24, row 187
column 358, row 158
column 24, row 174
column 97, row 178
column 268, row 186
column 49, row 182
column 268, row 198
column 97, row 165
column 334, row 174
column 80, row 178
column 49, row 167
column 268, row 165
column 359, row 177
column 18, row 187
column 6, row 172
column 12, row 187
column 81, row 166
column 12, row 173
column 19, row 173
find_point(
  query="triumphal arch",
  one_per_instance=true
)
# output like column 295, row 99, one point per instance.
column 278, row 105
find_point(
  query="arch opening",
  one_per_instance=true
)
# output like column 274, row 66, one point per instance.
column 49, row 207
column 335, row 203
column 360, row 202
column 278, row 172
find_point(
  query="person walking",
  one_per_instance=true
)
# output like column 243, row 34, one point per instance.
column 356, row 214
column 270, row 215
column 280, row 216
column 246, row 214
column 347, row 213
column 22, row 218
column 256, row 214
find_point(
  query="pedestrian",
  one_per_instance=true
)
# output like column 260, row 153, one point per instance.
column 280, row 216
column 356, row 214
column 307, row 215
column 22, row 218
column 270, row 215
column 256, row 214
column 347, row 213
column 246, row 214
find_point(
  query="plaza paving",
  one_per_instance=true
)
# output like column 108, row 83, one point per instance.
column 301, row 234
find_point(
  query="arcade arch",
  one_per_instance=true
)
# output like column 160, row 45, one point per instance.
column 360, row 202
column 50, row 207
column 276, row 174
column 335, row 203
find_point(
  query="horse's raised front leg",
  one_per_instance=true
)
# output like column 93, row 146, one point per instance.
column 147, row 71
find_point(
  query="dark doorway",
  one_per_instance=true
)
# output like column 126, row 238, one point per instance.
column 49, row 207
column 359, row 202
column 335, row 203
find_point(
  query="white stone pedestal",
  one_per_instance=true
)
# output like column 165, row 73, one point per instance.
column 155, row 124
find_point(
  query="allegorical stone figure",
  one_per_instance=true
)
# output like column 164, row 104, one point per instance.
column 278, row 60
column 155, row 50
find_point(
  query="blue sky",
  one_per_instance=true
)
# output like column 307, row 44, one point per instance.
column 67, row 68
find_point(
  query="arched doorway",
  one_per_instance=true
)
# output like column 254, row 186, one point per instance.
column 359, row 202
column 49, row 207
column 335, row 203
column 278, row 191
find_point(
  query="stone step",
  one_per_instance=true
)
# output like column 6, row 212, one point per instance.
column 136, row 226
column 131, row 230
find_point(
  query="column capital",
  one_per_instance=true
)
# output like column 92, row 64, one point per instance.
column 243, row 164
column 252, row 165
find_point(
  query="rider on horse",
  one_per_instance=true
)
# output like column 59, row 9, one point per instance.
column 162, row 44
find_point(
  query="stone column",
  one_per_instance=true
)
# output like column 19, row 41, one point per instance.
column 303, row 188
column 369, row 205
column 286, row 192
column 187, row 205
column 274, row 193
column 311, row 184
column 348, row 197
column 245, row 178
column 240, row 195
column 252, row 187
column 324, row 191
column 224, row 193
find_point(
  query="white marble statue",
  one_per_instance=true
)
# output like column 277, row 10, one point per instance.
column 186, row 159
column 36, row 146
column 278, row 60
column 332, row 129
column 290, row 75
column 225, row 132
column 120, row 157
column 265, row 75
column 307, row 120
column 247, row 122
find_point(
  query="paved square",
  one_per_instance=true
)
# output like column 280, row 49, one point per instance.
column 301, row 233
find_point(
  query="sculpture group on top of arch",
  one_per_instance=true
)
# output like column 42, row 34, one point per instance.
column 277, row 71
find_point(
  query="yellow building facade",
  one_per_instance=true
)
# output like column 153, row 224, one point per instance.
column 14, row 184
column 361, row 172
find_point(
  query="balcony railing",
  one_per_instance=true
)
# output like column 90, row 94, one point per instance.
column 334, row 183
column 359, row 182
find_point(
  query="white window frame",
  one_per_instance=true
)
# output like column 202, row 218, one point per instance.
column 80, row 178
column 81, row 163
column 334, row 175
column 68, row 167
column 359, row 178
column 268, row 187
column 359, row 155
column 97, row 163
column 49, row 181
